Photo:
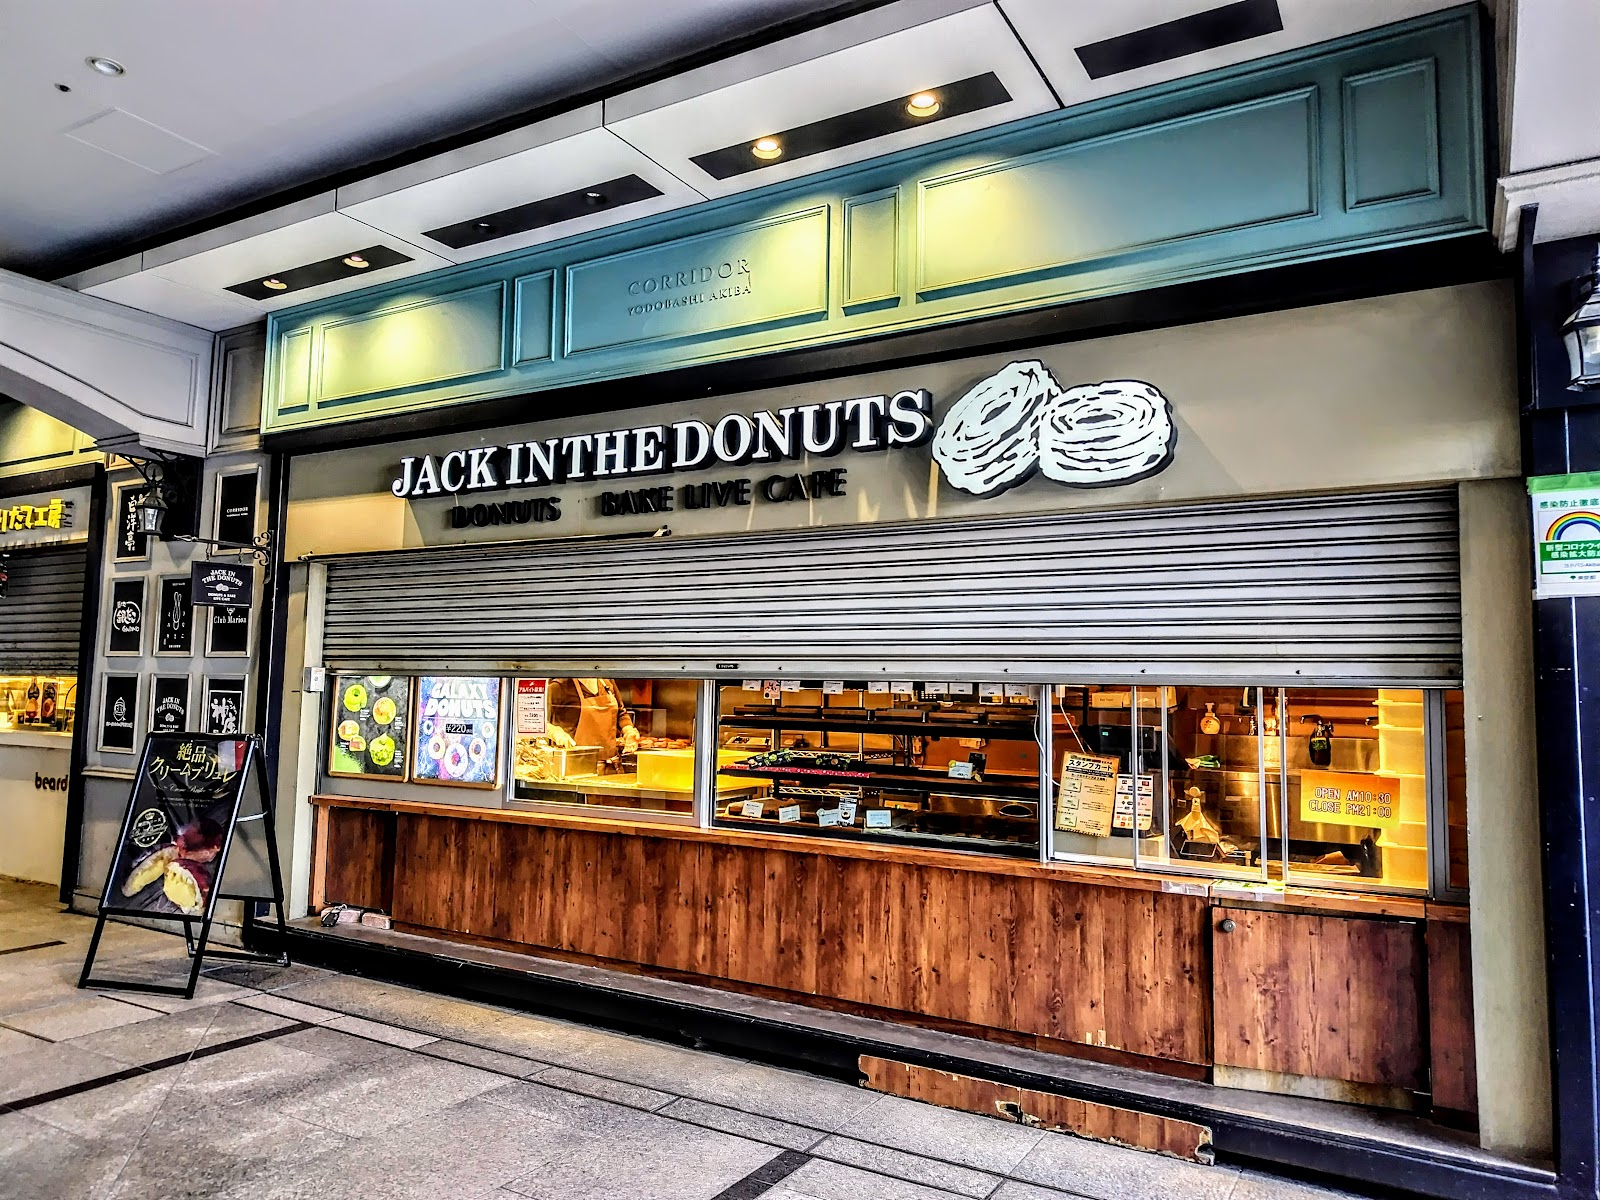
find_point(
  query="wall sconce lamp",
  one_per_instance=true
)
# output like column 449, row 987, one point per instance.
column 1581, row 331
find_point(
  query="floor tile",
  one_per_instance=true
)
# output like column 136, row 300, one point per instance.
column 932, row 1172
column 1253, row 1185
column 819, row 1180
column 1013, row 1189
column 337, row 1046
column 34, row 1072
column 117, row 1114
column 74, row 1018
column 293, row 1009
column 378, row 1032
column 40, row 1162
column 744, row 1124
column 602, row 1088
column 1103, row 1172
column 490, row 1060
column 963, row 1138
column 367, row 1099
column 165, row 1035
column 206, row 992
column 266, row 977
column 12, row 1042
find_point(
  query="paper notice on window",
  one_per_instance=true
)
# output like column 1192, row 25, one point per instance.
column 771, row 689
column 1087, row 795
column 532, row 711
column 1123, row 817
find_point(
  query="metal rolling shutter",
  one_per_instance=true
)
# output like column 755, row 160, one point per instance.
column 1332, row 588
column 41, row 616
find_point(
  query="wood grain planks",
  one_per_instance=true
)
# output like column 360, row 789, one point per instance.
column 1452, row 1042
column 357, row 851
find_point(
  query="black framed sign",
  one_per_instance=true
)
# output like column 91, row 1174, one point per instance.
column 175, row 617
column 224, row 705
column 236, row 508
column 131, row 545
column 169, row 704
column 125, row 628
column 119, row 712
column 213, row 583
column 228, row 633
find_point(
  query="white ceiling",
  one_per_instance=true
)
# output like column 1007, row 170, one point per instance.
column 221, row 105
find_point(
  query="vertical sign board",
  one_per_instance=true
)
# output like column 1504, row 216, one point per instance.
column 175, row 617
column 126, row 626
column 236, row 508
column 131, row 544
column 1566, row 534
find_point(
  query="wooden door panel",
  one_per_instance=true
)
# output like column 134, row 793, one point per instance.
column 1326, row 997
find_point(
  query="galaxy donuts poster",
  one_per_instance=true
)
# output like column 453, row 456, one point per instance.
column 179, row 819
column 457, row 731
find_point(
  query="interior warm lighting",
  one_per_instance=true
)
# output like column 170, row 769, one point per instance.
column 276, row 285
column 354, row 260
column 923, row 104
column 767, row 148
column 106, row 66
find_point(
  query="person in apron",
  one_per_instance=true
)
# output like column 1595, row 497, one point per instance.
column 590, row 712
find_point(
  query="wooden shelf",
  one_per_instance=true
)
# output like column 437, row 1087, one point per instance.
column 893, row 778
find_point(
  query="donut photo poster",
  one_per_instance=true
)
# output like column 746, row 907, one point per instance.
column 456, row 738
column 1020, row 421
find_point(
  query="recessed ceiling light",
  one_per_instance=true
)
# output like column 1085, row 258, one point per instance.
column 276, row 285
column 355, row 260
column 595, row 197
column 61, row 87
column 767, row 148
column 106, row 66
column 483, row 225
column 923, row 104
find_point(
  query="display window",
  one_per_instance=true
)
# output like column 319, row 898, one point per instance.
column 605, row 743
column 38, row 703
column 902, row 762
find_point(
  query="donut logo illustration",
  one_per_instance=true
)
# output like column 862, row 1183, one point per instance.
column 1020, row 421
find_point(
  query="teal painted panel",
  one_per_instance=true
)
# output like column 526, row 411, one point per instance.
column 408, row 345
column 534, row 320
column 872, row 249
column 759, row 274
column 1391, row 135
column 1218, row 171
column 293, row 371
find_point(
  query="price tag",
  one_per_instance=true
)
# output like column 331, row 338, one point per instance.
column 994, row 692
column 960, row 770
column 847, row 812
column 751, row 808
column 833, row 687
column 877, row 818
column 827, row 817
column 791, row 685
column 1021, row 691
column 936, row 689
column 877, row 687
column 750, row 685
column 788, row 814
column 771, row 689
column 961, row 689
column 905, row 687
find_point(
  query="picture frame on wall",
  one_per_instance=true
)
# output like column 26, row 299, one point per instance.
column 128, row 543
column 171, row 705
column 118, row 721
column 223, row 710
column 174, row 617
column 234, row 516
column 125, row 621
column 228, row 631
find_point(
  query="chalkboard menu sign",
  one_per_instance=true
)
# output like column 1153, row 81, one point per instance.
column 169, row 704
column 180, row 819
column 458, row 731
column 119, row 710
column 369, row 728
column 131, row 545
column 125, row 628
column 229, row 630
column 175, row 617
column 236, row 508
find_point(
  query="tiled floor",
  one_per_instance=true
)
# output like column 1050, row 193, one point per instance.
column 288, row 1083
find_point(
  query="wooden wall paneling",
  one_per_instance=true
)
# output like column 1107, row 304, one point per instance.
column 1180, row 926
column 358, row 865
column 1331, row 998
column 1452, row 1046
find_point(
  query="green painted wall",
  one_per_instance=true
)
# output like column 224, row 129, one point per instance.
column 1373, row 141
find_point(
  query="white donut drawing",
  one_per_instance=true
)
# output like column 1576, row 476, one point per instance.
column 1103, row 433
column 989, row 440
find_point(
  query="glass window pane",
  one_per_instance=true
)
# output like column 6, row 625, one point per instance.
column 903, row 762
column 611, row 743
column 1358, row 795
column 1455, row 788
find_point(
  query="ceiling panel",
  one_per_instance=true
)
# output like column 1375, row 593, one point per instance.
column 1055, row 32
column 571, row 153
column 853, row 65
column 149, row 292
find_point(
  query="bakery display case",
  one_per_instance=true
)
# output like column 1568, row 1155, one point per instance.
column 38, row 703
column 952, row 765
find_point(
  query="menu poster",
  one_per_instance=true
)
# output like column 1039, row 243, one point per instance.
column 1087, row 794
column 533, row 710
column 458, row 731
column 131, row 545
column 119, row 710
column 175, row 617
column 236, row 508
column 369, row 734
column 224, row 705
column 169, row 704
column 125, row 633
column 183, row 807
column 1122, row 818
column 229, row 632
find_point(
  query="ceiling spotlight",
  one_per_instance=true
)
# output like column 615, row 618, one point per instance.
column 61, row 87
column 483, row 225
column 355, row 260
column 106, row 66
column 767, row 148
column 923, row 104
column 595, row 197
column 275, row 284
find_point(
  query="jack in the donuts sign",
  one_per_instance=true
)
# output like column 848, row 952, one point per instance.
column 1020, row 421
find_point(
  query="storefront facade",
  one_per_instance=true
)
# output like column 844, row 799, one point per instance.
column 1154, row 693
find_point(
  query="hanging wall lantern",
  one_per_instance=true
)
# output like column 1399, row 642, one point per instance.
column 1581, row 332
